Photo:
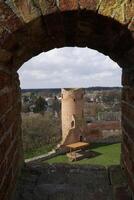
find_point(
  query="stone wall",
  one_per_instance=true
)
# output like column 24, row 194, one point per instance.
column 104, row 132
column 29, row 27
column 64, row 181
column 128, row 123
column 10, row 131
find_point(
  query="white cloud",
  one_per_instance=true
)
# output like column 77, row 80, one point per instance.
column 70, row 67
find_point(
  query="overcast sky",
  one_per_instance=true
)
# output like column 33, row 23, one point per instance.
column 70, row 67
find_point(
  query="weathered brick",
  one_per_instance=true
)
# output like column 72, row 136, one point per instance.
column 48, row 7
column 127, row 159
column 70, row 23
column 5, row 80
column 5, row 145
column 27, row 10
column 6, row 184
column 15, row 128
column 9, row 22
column 128, row 111
column 1, row 131
column 10, row 156
column 122, row 193
column 6, row 102
column 55, row 32
column 128, row 77
column 128, row 95
column 3, row 169
column 68, row 5
column 128, row 127
column 128, row 143
column 5, row 56
column 15, row 163
column 11, row 116
column 129, row 176
column 88, row 4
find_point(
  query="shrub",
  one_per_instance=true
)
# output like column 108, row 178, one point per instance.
column 39, row 130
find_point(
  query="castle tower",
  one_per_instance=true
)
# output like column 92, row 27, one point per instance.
column 72, row 115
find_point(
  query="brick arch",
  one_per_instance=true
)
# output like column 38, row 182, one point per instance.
column 29, row 27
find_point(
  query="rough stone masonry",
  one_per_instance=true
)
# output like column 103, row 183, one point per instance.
column 29, row 27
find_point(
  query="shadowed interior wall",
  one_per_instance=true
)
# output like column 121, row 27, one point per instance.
column 29, row 27
column 128, row 124
column 11, row 154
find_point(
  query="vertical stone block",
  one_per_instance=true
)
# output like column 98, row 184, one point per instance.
column 68, row 5
column 128, row 77
column 9, row 139
column 48, row 7
column 128, row 123
column 89, row 4
column 27, row 10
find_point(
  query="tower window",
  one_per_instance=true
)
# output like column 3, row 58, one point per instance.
column 72, row 124
column 81, row 138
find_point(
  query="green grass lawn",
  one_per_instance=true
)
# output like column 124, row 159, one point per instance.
column 107, row 155
column 38, row 151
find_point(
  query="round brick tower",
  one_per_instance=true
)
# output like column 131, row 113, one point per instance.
column 72, row 113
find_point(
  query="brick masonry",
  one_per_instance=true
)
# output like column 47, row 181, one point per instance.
column 29, row 27
column 127, row 123
column 10, row 129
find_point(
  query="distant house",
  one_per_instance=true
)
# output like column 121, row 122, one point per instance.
column 31, row 107
column 49, row 101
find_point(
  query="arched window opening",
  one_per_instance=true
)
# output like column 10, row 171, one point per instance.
column 42, row 78
column 72, row 124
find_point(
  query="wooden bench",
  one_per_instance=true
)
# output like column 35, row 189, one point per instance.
column 74, row 154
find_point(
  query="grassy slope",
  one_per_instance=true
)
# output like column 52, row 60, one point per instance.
column 109, row 155
column 38, row 151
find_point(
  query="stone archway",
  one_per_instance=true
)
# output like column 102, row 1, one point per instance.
column 29, row 27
